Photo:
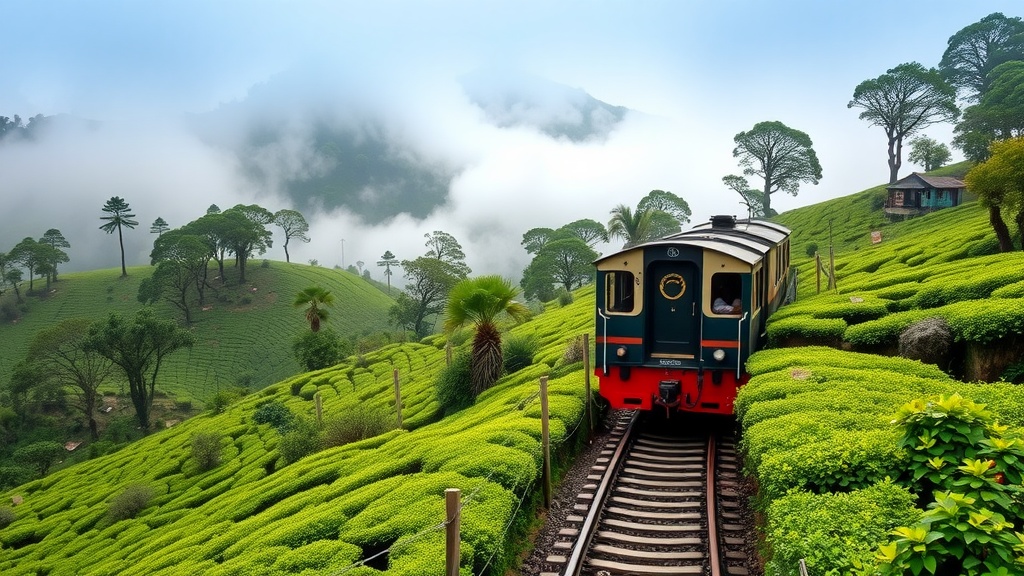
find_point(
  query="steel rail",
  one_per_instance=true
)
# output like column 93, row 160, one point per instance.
column 713, row 558
column 574, row 566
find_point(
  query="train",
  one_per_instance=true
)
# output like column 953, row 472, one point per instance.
column 677, row 318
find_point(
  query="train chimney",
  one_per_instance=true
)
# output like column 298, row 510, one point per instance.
column 723, row 221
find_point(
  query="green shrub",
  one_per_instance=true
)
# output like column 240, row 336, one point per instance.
column 812, row 248
column 808, row 329
column 356, row 424
column 317, row 350
column 127, row 504
column 308, row 391
column 454, row 384
column 565, row 298
column 7, row 516
column 301, row 439
column 957, row 455
column 274, row 413
column 221, row 400
column 206, row 450
column 833, row 533
column 573, row 350
column 518, row 351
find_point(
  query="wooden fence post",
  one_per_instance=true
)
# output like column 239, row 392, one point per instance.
column 545, row 440
column 451, row 534
column 587, row 410
column 817, row 271
column 398, row 399
column 319, row 409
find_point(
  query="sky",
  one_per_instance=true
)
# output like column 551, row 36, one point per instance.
column 696, row 73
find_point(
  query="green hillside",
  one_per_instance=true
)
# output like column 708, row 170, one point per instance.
column 818, row 434
column 244, row 334
column 255, row 514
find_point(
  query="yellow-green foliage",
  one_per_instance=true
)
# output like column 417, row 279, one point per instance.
column 252, row 514
column 924, row 267
column 819, row 437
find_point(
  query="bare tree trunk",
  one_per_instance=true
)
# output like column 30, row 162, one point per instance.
column 895, row 158
column 1002, row 232
column 1020, row 226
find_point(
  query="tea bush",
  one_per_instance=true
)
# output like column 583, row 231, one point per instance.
column 834, row 533
column 806, row 329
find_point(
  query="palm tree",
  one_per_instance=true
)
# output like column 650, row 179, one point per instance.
column 633, row 227
column 315, row 299
column 119, row 216
column 480, row 301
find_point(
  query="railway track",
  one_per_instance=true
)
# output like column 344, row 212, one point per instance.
column 657, row 504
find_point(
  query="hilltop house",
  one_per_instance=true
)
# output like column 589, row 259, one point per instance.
column 919, row 194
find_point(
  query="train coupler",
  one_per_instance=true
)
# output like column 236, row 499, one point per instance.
column 668, row 394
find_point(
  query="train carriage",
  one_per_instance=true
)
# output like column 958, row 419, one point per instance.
column 678, row 317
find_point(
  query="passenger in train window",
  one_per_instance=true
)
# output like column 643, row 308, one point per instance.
column 720, row 306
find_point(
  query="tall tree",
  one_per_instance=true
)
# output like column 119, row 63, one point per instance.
column 10, row 273
column 60, row 349
column 999, row 114
column 632, row 227
column 482, row 301
column 430, row 280
column 119, row 215
column 999, row 184
column 781, row 156
column 666, row 202
column 567, row 260
column 55, row 240
column 245, row 233
column 31, row 256
column 293, row 225
column 928, row 153
column 535, row 238
column 444, row 247
column 138, row 346
column 974, row 51
column 903, row 101
column 181, row 260
column 316, row 300
column 387, row 261
column 159, row 226
column 589, row 231
column 751, row 198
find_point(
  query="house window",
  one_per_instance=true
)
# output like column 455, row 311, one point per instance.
column 619, row 290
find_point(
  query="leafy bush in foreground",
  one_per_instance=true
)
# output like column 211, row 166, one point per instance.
column 206, row 450
column 833, row 532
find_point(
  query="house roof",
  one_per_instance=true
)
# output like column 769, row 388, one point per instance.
column 921, row 182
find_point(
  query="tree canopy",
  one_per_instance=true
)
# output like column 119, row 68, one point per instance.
column 903, row 101
column 975, row 50
column 138, row 346
column 999, row 184
column 481, row 301
column 118, row 216
column 294, row 225
column 781, row 156
column 928, row 153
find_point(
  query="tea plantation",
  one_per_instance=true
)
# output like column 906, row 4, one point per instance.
column 863, row 462
column 255, row 513
column 244, row 333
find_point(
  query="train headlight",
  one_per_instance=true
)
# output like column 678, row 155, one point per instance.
column 718, row 355
column 621, row 352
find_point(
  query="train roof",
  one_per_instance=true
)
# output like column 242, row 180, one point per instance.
column 746, row 240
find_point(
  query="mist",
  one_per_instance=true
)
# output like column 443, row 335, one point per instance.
column 161, row 104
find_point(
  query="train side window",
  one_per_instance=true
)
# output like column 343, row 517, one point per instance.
column 619, row 287
column 726, row 293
